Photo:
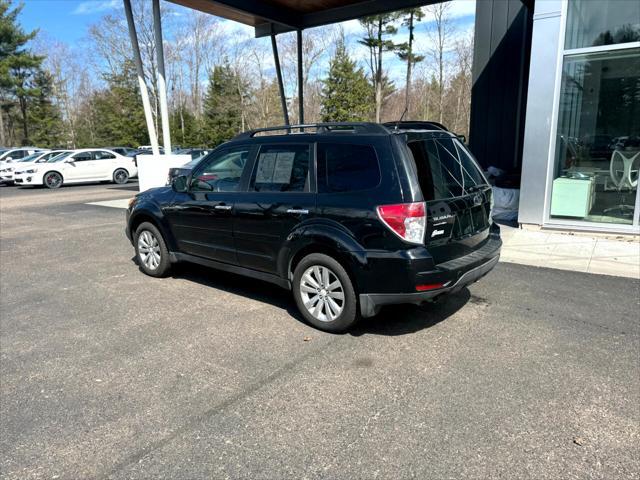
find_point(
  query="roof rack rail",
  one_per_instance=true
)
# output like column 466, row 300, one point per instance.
column 415, row 124
column 325, row 127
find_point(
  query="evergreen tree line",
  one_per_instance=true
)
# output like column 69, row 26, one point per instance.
column 219, row 86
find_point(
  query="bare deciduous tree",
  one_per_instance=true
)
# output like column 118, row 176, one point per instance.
column 439, row 35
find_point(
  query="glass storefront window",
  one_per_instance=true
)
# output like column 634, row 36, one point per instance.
column 592, row 23
column 598, row 139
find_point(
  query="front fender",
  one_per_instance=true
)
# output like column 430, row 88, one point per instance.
column 151, row 210
column 325, row 235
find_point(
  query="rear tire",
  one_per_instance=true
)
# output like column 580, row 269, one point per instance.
column 324, row 293
column 52, row 180
column 120, row 176
column 152, row 255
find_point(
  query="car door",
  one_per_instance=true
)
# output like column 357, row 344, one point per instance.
column 201, row 219
column 77, row 167
column 105, row 164
column 280, row 196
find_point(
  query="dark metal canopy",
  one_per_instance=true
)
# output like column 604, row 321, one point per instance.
column 279, row 16
column 501, row 57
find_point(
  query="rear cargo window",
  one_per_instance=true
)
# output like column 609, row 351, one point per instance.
column 445, row 168
column 347, row 168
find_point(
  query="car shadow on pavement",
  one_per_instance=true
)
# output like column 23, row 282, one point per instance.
column 405, row 319
column 392, row 320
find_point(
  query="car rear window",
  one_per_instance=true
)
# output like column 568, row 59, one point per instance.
column 347, row 168
column 445, row 168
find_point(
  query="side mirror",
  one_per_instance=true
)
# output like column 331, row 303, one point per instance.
column 9, row 159
column 179, row 183
column 69, row 160
column 462, row 138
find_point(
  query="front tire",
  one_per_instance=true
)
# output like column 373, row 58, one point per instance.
column 52, row 180
column 152, row 255
column 324, row 293
column 120, row 176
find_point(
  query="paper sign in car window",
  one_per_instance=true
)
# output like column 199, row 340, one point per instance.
column 266, row 164
column 284, row 167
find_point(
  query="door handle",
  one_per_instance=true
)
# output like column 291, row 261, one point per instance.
column 223, row 207
column 301, row 211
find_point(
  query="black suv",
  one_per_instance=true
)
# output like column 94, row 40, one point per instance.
column 350, row 216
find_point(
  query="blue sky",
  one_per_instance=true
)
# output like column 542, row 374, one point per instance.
column 69, row 20
column 65, row 20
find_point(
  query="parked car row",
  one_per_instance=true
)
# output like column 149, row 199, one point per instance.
column 53, row 168
column 26, row 165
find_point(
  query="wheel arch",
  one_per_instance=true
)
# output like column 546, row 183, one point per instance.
column 141, row 216
column 325, row 239
column 113, row 173
column 52, row 171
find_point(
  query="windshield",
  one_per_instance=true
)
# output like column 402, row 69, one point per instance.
column 445, row 168
column 31, row 158
column 193, row 162
column 62, row 156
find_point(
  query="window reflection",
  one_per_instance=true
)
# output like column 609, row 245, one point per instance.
column 593, row 23
column 598, row 142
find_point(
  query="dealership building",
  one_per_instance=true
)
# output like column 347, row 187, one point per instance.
column 555, row 97
column 581, row 146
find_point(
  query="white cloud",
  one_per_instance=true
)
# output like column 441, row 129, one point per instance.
column 96, row 6
column 229, row 27
column 462, row 8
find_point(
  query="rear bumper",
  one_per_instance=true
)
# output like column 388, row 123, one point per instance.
column 370, row 303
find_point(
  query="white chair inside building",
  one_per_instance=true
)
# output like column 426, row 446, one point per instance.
column 623, row 172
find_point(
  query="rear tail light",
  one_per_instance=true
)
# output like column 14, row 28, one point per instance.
column 407, row 220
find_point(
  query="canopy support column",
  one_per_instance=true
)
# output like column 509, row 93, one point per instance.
column 153, row 138
column 276, row 60
column 300, row 79
column 162, row 85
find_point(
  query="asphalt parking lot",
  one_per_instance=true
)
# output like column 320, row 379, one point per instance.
column 106, row 373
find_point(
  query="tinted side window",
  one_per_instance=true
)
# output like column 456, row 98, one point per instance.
column 101, row 155
column 82, row 157
column 347, row 168
column 221, row 171
column 282, row 168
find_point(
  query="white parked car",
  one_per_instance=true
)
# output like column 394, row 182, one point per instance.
column 11, row 155
column 43, row 156
column 78, row 166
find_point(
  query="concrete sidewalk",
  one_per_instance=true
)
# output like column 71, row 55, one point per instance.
column 566, row 250
column 572, row 251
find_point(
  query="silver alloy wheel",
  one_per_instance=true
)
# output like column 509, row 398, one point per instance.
column 149, row 249
column 53, row 180
column 121, row 176
column 322, row 293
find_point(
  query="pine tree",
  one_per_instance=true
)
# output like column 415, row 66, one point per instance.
column 185, row 129
column 117, row 111
column 405, row 50
column 18, row 67
column 346, row 92
column 222, row 106
column 45, row 120
column 379, row 28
